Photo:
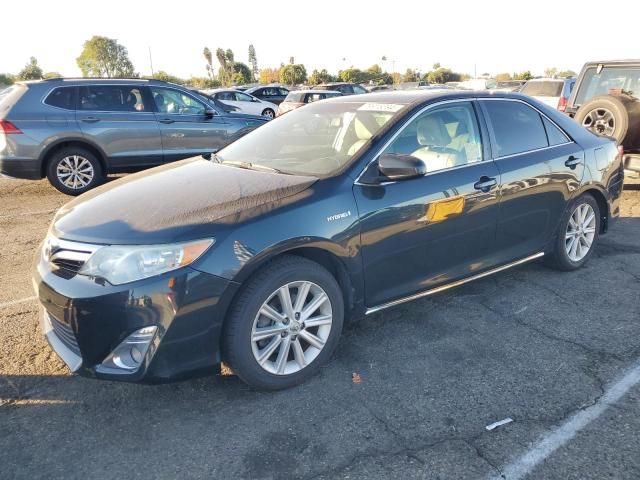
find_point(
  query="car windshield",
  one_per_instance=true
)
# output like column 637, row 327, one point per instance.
column 611, row 80
column 549, row 88
column 317, row 140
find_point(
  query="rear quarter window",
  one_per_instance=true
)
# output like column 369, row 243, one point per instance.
column 62, row 97
column 517, row 127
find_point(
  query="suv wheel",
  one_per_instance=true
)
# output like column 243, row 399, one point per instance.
column 577, row 236
column 74, row 170
column 285, row 324
column 617, row 117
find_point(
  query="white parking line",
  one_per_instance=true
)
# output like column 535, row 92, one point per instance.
column 555, row 439
column 40, row 212
column 16, row 302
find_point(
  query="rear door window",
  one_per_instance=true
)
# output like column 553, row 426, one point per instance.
column 112, row 98
column 62, row 97
column 517, row 128
column 611, row 80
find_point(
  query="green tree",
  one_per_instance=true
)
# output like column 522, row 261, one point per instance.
column 410, row 76
column 567, row 74
column 201, row 83
column 31, row 71
column 501, row 77
column 209, row 59
column 52, row 75
column 293, row 74
column 526, row 75
column 269, row 75
column 354, row 75
column 242, row 73
column 436, row 66
column 6, row 79
column 222, row 60
column 104, row 57
column 166, row 77
column 253, row 62
column 550, row 72
column 442, row 75
column 322, row 76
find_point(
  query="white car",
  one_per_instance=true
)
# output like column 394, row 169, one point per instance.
column 244, row 102
column 555, row 92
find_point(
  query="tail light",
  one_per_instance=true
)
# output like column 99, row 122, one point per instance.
column 7, row 127
column 562, row 104
column 620, row 151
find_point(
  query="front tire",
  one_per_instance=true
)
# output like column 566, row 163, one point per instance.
column 269, row 113
column 577, row 235
column 284, row 325
column 74, row 170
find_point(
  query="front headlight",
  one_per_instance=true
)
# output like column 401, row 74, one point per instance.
column 120, row 264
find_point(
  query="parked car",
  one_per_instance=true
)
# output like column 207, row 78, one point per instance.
column 269, row 93
column 380, row 88
column 606, row 100
column 412, row 85
column 334, row 211
column 478, row 84
column 344, row 88
column 76, row 131
column 555, row 92
column 299, row 98
column 209, row 99
column 244, row 102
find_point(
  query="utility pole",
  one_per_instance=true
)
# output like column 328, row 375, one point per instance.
column 151, row 61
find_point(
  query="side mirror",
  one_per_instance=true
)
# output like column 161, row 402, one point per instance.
column 395, row 166
column 209, row 112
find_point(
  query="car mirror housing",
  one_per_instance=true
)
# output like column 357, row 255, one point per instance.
column 210, row 112
column 396, row 166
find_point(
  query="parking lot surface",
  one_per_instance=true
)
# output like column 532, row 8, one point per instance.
column 558, row 353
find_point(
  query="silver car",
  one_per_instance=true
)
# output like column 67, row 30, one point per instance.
column 76, row 131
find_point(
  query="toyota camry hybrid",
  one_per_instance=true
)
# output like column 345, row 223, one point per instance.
column 256, row 256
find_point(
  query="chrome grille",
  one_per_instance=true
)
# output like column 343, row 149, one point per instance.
column 66, row 255
column 64, row 333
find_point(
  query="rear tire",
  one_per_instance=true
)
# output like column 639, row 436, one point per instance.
column 274, row 351
column 269, row 113
column 577, row 235
column 74, row 170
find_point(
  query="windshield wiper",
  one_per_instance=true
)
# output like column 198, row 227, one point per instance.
column 250, row 166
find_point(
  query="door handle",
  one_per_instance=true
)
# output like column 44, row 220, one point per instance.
column 572, row 162
column 485, row 183
column 90, row 119
column 166, row 120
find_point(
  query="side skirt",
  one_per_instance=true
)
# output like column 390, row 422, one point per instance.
column 457, row 283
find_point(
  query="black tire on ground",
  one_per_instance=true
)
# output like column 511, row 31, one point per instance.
column 557, row 256
column 268, row 112
column 626, row 115
column 236, row 342
column 55, row 160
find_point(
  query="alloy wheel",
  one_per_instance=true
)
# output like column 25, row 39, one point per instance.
column 600, row 121
column 268, row 114
column 580, row 233
column 291, row 328
column 75, row 172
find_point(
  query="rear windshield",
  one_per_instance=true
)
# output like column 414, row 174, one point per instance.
column 611, row 80
column 10, row 95
column 543, row 89
column 294, row 97
column 316, row 140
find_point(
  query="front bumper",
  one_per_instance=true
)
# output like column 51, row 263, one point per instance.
column 85, row 320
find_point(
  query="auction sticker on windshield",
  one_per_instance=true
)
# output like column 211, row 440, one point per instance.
column 380, row 107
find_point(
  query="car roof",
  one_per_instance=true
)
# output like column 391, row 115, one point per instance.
column 614, row 62
column 271, row 85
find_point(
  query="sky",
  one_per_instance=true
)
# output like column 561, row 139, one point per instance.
column 467, row 36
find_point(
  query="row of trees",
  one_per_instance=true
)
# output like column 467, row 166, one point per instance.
column 105, row 57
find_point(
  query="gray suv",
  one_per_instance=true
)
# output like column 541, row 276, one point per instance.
column 76, row 131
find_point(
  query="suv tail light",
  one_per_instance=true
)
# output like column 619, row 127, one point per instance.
column 562, row 104
column 7, row 127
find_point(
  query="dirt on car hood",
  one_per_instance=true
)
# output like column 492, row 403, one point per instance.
column 179, row 201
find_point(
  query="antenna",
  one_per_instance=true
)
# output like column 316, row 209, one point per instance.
column 151, row 61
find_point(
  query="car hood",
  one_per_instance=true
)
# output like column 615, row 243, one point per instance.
column 181, row 201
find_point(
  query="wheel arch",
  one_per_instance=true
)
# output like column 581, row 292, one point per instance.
column 69, row 142
column 599, row 195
